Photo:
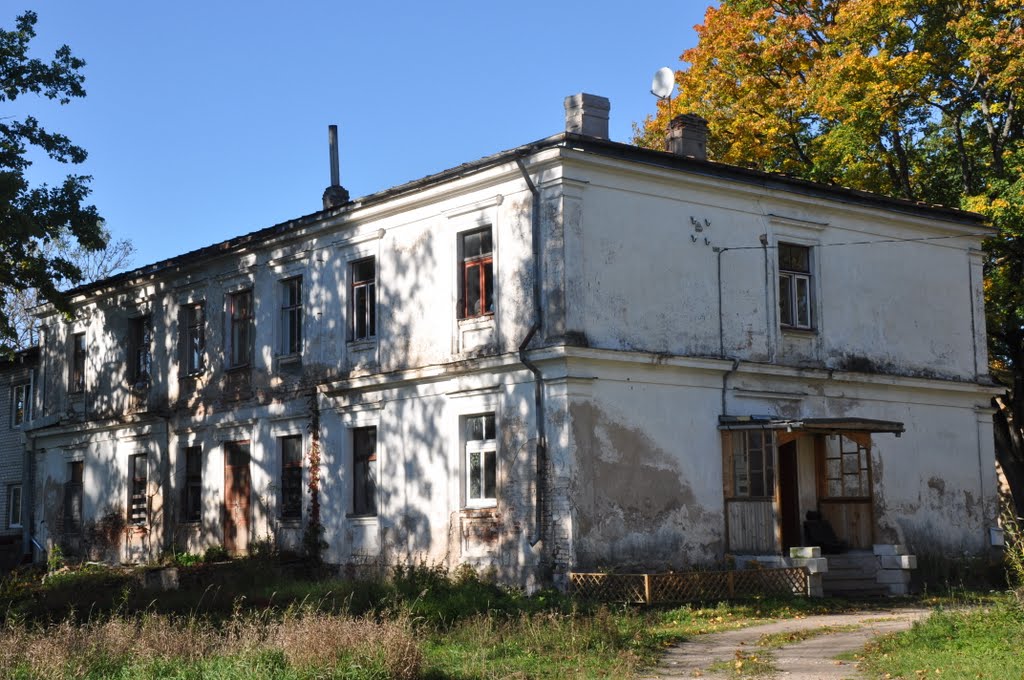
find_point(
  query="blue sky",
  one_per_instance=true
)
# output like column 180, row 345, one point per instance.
column 206, row 120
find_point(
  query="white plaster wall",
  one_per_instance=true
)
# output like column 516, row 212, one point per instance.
column 648, row 265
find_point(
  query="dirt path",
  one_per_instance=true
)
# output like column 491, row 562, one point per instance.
column 809, row 659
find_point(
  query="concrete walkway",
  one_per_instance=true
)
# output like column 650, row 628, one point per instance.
column 811, row 659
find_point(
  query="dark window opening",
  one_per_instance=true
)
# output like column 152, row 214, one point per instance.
column 73, row 499
column 192, row 504
column 291, row 477
column 77, row 377
column 240, row 339
column 364, row 473
column 141, row 355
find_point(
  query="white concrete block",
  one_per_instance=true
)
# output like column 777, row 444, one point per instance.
column 889, row 576
column 898, row 561
column 805, row 552
column 815, row 586
column 890, row 549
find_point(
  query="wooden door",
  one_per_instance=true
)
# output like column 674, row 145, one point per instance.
column 237, row 491
column 789, row 497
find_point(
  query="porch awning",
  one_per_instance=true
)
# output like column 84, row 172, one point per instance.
column 818, row 425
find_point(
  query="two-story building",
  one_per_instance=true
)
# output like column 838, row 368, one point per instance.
column 575, row 353
column 17, row 383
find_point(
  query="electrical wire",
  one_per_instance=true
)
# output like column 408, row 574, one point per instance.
column 985, row 234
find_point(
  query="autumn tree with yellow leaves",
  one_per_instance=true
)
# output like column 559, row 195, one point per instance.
column 919, row 99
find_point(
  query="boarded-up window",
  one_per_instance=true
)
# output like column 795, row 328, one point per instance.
column 847, row 468
column 753, row 463
column 137, row 489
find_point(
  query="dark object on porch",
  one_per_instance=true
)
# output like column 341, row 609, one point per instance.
column 819, row 531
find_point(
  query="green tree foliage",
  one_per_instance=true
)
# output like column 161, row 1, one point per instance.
column 919, row 99
column 33, row 218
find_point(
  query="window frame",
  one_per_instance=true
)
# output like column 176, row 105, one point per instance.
column 76, row 371
column 791, row 280
column 861, row 455
column 193, row 486
column 368, row 287
column 364, row 474
column 74, row 492
column 487, row 449
column 239, row 323
column 140, row 348
column 195, row 338
column 484, row 261
column 289, row 469
column 291, row 315
column 13, row 507
column 741, row 464
column 138, row 500
column 25, row 415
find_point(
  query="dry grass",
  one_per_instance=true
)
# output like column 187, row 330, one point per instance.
column 307, row 639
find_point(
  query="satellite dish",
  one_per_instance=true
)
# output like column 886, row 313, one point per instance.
column 664, row 82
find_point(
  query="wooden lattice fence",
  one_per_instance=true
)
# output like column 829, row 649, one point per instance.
column 694, row 586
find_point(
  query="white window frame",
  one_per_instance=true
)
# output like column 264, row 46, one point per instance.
column 481, row 447
column 371, row 299
column 291, row 313
column 797, row 280
column 13, row 507
column 26, row 389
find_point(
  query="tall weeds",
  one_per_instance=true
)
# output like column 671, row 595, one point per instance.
column 309, row 641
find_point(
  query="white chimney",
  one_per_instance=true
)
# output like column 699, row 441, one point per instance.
column 587, row 114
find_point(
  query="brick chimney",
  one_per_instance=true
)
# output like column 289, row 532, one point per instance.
column 688, row 136
column 587, row 114
column 335, row 194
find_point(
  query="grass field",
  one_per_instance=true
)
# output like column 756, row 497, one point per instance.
column 261, row 619
column 982, row 642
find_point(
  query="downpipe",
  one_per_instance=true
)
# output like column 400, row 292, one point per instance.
column 538, row 378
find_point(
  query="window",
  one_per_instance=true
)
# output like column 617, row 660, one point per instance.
column 476, row 279
column 21, row 404
column 73, row 499
column 137, row 489
column 364, row 299
column 481, row 461
column 364, row 473
column 240, row 338
column 77, row 377
column 195, row 339
column 846, row 468
column 291, row 316
column 291, row 477
column 14, row 506
column 754, row 463
column 140, row 353
column 795, row 286
column 192, row 503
